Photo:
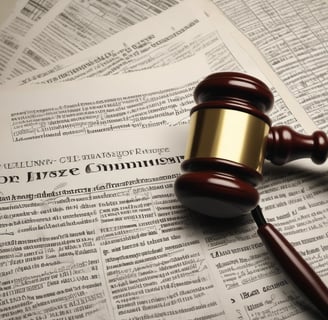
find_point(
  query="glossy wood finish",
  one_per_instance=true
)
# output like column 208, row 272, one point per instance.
column 302, row 275
column 217, row 187
column 285, row 145
column 234, row 86
column 297, row 269
column 225, row 189
column 221, row 187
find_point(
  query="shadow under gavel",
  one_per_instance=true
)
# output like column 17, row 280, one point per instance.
column 230, row 137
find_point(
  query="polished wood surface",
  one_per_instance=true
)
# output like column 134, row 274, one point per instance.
column 225, row 188
column 297, row 269
column 217, row 187
column 236, row 86
column 285, row 145
column 300, row 272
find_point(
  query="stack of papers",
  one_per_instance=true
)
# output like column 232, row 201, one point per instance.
column 95, row 101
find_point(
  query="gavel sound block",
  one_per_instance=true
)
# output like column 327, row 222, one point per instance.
column 230, row 137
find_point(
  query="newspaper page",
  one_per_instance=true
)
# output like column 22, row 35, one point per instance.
column 25, row 15
column 90, row 226
column 198, row 28
column 181, row 31
column 288, row 37
column 292, row 38
column 74, row 25
column 216, row 269
column 93, row 231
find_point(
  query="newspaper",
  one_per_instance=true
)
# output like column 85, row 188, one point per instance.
column 289, row 36
column 107, row 243
column 68, row 28
column 189, row 28
column 25, row 19
column 91, row 227
column 291, row 51
column 184, row 30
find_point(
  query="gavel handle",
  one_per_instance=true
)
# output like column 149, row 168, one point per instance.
column 298, row 270
column 284, row 145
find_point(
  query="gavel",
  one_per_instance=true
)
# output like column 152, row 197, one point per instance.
column 229, row 138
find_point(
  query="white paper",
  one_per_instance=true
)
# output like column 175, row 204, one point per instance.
column 72, row 26
column 184, row 30
column 77, row 140
column 289, row 38
column 103, row 252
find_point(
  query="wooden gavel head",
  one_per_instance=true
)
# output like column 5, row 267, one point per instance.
column 230, row 136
